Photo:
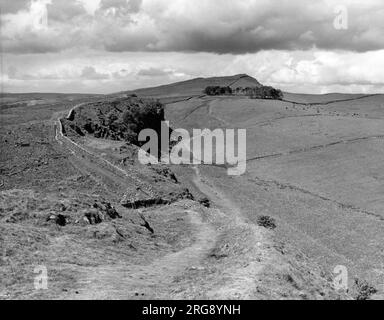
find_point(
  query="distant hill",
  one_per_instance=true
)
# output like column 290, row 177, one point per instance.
column 196, row 86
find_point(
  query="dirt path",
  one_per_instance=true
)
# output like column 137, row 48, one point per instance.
column 242, row 242
column 125, row 281
column 153, row 281
column 156, row 280
column 231, row 210
column 202, row 105
column 210, row 113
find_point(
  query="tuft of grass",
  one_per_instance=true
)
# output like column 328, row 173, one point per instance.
column 266, row 222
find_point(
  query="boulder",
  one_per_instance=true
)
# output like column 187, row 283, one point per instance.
column 59, row 219
column 93, row 216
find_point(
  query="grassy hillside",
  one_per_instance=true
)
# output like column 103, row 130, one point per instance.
column 196, row 86
column 313, row 165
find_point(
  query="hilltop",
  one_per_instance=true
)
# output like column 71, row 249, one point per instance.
column 196, row 86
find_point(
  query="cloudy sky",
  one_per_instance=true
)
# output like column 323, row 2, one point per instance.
column 104, row 46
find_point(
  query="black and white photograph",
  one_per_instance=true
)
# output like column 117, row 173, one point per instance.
column 209, row 152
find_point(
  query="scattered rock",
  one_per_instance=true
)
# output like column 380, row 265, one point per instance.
column 107, row 209
column 205, row 202
column 165, row 172
column 364, row 290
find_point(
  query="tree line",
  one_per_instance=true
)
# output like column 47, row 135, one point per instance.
column 263, row 92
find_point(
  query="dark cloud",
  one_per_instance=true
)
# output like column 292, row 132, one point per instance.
column 37, row 43
column 239, row 42
column 60, row 10
column 221, row 27
column 31, row 44
column 13, row 6
column 135, row 5
column 291, row 25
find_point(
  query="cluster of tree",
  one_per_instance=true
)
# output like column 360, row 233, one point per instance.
column 218, row 91
column 263, row 92
column 146, row 115
column 123, row 119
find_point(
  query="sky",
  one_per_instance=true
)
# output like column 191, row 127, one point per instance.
column 105, row 46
